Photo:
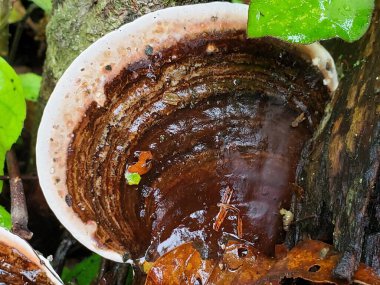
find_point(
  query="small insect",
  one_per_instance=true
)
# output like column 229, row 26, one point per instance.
column 287, row 218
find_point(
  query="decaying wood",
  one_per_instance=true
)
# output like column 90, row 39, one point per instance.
column 19, row 211
column 341, row 165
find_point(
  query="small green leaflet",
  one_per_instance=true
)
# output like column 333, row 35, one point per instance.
column 31, row 84
column 132, row 178
column 84, row 272
column 307, row 21
column 12, row 110
column 45, row 5
column 5, row 218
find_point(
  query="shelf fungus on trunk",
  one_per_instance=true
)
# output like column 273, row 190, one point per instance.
column 21, row 264
column 220, row 120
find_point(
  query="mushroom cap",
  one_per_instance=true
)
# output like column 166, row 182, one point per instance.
column 83, row 84
column 39, row 268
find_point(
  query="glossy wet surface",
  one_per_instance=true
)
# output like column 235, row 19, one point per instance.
column 15, row 268
column 216, row 113
column 240, row 142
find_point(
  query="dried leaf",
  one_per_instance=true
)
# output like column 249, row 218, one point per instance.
column 143, row 165
column 242, row 264
column 314, row 261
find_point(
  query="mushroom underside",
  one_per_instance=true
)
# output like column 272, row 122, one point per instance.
column 225, row 119
column 20, row 264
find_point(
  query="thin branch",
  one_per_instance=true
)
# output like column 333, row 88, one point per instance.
column 5, row 7
column 102, row 271
column 60, row 254
column 19, row 30
column 19, row 210
column 23, row 177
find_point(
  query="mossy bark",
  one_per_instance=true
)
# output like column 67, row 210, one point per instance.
column 340, row 167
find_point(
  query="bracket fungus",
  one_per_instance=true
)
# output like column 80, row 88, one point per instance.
column 214, row 109
column 20, row 264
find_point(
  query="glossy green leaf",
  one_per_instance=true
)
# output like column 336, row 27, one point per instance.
column 84, row 272
column 307, row 21
column 5, row 218
column 45, row 5
column 132, row 178
column 12, row 110
column 31, row 84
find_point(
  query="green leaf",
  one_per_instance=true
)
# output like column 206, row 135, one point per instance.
column 31, row 84
column 12, row 110
column 132, row 178
column 306, row 21
column 45, row 5
column 5, row 218
column 84, row 272
column 14, row 16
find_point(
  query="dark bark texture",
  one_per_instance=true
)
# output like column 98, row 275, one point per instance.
column 340, row 166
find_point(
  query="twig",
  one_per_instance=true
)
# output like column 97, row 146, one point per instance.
column 19, row 30
column 60, row 254
column 104, row 265
column 223, row 211
column 5, row 6
column 23, row 177
column 19, row 210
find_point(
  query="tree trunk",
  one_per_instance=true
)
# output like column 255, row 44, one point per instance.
column 340, row 167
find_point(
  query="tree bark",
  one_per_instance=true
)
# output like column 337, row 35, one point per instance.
column 340, row 166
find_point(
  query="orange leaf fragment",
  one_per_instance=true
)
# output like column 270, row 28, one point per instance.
column 314, row 261
column 311, row 261
column 143, row 165
column 240, row 264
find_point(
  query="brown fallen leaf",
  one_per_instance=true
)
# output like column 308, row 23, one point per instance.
column 310, row 262
column 314, row 261
column 240, row 264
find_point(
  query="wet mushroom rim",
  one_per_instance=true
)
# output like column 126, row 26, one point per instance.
column 24, row 248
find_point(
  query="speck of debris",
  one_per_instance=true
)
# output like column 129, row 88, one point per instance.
column 214, row 18
column 82, row 69
column 108, row 67
column 69, row 200
column 125, row 257
column 301, row 117
column 149, row 50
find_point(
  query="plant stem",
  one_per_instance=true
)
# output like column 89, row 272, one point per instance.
column 60, row 254
column 23, row 177
column 5, row 6
column 19, row 30
column 19, row 210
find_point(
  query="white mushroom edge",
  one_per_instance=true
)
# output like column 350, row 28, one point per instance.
column 24, row 248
